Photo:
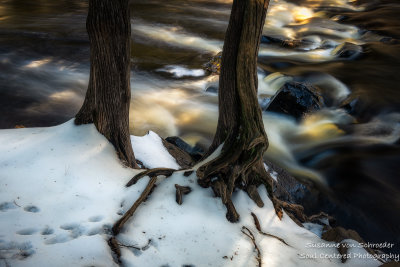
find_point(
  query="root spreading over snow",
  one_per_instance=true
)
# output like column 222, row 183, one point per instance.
column 62, row 188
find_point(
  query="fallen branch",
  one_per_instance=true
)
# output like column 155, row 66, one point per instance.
column 151, row 173
column 113, row 243
column 258, row 227
column 180, row 191
column 253, row 239
column 120, row 223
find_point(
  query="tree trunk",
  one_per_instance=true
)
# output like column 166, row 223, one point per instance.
column 108, row 96
column 240, row 127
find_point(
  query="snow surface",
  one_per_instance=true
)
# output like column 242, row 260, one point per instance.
column 150, row 150
column 63, row 187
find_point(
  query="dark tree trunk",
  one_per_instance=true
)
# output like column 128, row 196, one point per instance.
column 240, row 127
column 108, row 96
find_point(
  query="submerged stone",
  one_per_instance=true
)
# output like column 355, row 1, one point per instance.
column 347, row 51
column 195, row 152
column 296, row 99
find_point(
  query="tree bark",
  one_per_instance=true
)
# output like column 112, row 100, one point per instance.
column 240, row 127
column 108, row 96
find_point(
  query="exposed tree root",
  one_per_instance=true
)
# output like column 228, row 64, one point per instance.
column 256, row 222
column 145, row 247
column 113, row 244
column 295, row 212
column 180, row 191
column 188, row 173
column 120, row 223
column 249, row 234
column 258, row 227
column 151, row 173
column 238, row 170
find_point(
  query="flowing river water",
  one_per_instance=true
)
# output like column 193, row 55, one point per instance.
column 351, row 152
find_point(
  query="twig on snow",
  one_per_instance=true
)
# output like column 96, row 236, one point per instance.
column 120, row 223
column 258, row 227
column 253, row 239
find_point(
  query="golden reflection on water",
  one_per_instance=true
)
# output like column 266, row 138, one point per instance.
column 302, row 13
column 316, row 127
column 170, row 112
column 38, row 63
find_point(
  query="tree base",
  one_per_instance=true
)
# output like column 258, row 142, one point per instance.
column 225, row 179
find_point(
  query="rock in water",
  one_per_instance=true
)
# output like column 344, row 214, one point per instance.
column 214, row 65
column 347, row 51
column 296, row 99
column 195, row 152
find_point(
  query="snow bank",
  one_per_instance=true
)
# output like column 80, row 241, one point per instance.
column 62, row 188
column 150, row 150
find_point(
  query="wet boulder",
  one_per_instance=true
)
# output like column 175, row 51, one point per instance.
column 213, row 89
column 353, row 105
column 284, row 185
column 196, row 153
column 296, row 99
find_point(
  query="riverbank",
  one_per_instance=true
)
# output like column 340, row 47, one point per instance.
column 63, row 188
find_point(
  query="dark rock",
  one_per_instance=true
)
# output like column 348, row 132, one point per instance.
column 296, row 99
column 295, row 212
column 181, row 156
column 353, row 105
column 270, row 40
column 195, row 153
column 212, row 89
column 286, row 187
column 322, row 218
column 338, row 234
column 289, row 191
column 347, row 51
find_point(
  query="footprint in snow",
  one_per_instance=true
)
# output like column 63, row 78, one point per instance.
column 7, row 206
column 33, row 209
column 75, row 229
column 95, row 231
column 14, row 250
column 27, row 231
column 47, row 231
column 58, row 239
column 105, row 229
column 97, row 218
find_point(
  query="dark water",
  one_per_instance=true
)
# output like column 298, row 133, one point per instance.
column 353, row 156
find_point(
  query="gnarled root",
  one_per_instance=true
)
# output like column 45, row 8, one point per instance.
column 238, row 167
column 151, row 173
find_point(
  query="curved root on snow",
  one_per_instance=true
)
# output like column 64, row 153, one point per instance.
column 151, row 173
